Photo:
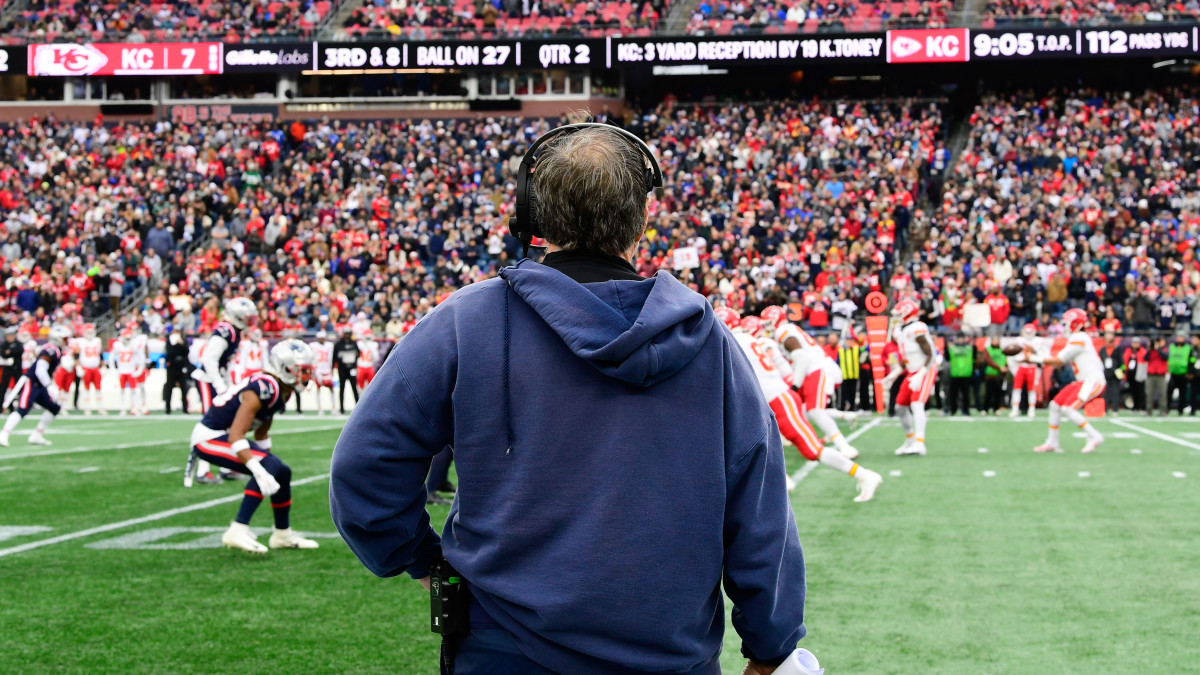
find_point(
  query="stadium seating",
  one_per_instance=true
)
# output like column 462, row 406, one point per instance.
column 787, row 202
column 725, row 17
column 164, row 20
column 1081, row 198
column 469, row 19
column 1053, row 12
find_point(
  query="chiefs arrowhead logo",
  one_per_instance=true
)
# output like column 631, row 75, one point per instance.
column 903, row 47
column 67, row 60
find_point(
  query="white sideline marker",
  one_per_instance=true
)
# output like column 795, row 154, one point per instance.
column 171, row 469
column 1179, row 474
column 983, row 451
column 88, row 469
column 79, row 534
column 1135, row 451
column 1190, row 434
column 7, row 468
column 894, row 473
column 1085, row 474
column 989, row 474
column 1123, row 434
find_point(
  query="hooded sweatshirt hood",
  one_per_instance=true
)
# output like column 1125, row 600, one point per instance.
column 640, row 332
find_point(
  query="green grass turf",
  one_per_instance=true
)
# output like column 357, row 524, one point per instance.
column 1032, row 570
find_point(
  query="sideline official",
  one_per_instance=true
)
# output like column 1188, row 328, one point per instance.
column 617, row 463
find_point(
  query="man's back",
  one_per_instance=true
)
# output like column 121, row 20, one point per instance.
column 615, row 461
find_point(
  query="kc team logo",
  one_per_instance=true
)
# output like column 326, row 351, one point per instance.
column 65, row 60
column 943, row 45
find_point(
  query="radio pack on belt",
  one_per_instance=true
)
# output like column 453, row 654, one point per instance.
column 449, row 600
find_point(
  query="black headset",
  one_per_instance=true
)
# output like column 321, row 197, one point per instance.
column 524, row 225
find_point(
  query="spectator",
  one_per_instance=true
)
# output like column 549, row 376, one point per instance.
column 1156, row 378
column 160, row 240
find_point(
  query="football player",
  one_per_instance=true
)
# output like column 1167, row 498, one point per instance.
column 212, row 378
column 772, row 371
column 222, row 437
column 64, row 377
column 815, row 374
column 141, row 357
column 1080, row 353
column 921, row 373
column 30, row 349
column 91, row 352
column 368, row 354
column 124, row 355
column 37, row 386
column 252, row 355
column 323, row 369
column 1027, row 375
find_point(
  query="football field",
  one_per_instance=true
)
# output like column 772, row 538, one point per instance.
column 980, row 558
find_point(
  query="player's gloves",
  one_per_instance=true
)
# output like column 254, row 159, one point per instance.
column 54, row 392
column 218, row 386
column 267, row 484
column 914, row 382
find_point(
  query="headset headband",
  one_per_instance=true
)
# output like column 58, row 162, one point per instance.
column 524, row 225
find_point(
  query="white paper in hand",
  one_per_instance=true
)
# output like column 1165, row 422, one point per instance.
column 801, row 662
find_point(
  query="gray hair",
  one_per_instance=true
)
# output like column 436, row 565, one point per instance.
column 589, row 192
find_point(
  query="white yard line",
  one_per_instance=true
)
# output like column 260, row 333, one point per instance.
column 138, row 521
column 1157, row 434
column 145, row 444
column 809, row 467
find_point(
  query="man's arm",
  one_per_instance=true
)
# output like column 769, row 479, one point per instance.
column 377, row 490
column 764, row 564
column 250, row 405
column 211, row 362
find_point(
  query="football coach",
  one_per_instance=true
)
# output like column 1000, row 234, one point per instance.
column 617, row 463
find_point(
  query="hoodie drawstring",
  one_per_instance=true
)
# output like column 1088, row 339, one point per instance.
column 507, row 395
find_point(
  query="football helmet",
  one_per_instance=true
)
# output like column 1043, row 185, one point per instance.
column 774, row 316
column 59, row 336
column 254, row 334
column 23, row 336
column 291, row 362
column 1028, row 331
column 1075, row 319
column 321, row 335
column 728, row 316
column 89, row 330
column 752, row 325
column 126, row 336
column 239, row 311
column 906, row 311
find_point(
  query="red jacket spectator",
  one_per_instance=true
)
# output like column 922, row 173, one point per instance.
column 1110, row 325
column 1131, row 359
column 998, row 303
column 1156, row 362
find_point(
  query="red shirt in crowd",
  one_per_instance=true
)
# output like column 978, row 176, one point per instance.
column 999, row 306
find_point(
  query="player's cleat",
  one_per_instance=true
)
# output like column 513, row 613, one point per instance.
column 447, row 487
column 1032, row 412
column 226, row 474
column 1092, row 444
column 289, row 539
column 1047, row 447
column 1014, row 412
column 434, row 500
column 914, row 448
column 87, row 413
column 103, row 412
column 209, row 479
column 239, row 537
column 189, row 471
column 903, row 449
column 36, row 438
column 4, row 439
column 868, row 482
column 791, row 484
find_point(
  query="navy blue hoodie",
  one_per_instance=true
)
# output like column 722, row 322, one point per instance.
column 616, row 460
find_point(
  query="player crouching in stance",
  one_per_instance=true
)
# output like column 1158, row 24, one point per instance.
column 917, row 348
column 1080, row 352
column 773, row 371
column 37, row 386
column 221, row 438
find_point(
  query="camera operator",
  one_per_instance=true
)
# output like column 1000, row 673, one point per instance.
column 617, row 462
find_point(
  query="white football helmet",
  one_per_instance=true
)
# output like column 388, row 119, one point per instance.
column 59, row 336
column 254, row 334
column 89, row 330
column 291, row 362
column 239, row 311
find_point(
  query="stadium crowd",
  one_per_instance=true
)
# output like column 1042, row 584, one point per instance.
column 380, row 221
column 772, row 16
column 1001, row 13
column 421, row 19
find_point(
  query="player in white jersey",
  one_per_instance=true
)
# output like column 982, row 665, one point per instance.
column 30, row 349
column 251, row 356
column 127, row 363
column 141, row 350
column 773, row 371
column 91, row 354
column 1027, row 375
column 323, row 370
column 368, row 355
column 1080, row 353
column 921, row 372
column 815, row 374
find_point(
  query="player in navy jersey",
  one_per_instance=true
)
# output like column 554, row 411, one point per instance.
column 211, row 374
column 37, row 386
column 222, row 437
